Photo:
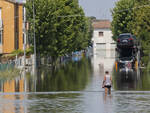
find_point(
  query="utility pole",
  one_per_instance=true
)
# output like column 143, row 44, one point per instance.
column 24, row 34
column 34, row 39
column 1, row 26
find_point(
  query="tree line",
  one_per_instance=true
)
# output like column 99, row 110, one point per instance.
column 61, row 27
column 132, row 16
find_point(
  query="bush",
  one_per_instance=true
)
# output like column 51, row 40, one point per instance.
column 17, row 52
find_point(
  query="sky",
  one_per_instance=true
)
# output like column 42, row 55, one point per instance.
column 98, row 8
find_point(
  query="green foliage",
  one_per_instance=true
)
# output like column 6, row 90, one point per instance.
column 57, row 32
column 29, row 51
column 73, row 76
column 17, row 52
column 122, row 17
column 21, row 52
column 141, row 28
column 132, row 16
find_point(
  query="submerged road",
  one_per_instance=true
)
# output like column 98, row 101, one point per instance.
column 75, row 88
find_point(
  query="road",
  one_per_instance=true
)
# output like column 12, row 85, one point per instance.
column 75, row 88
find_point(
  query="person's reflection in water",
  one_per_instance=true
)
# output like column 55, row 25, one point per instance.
column 108, row 103
column 107, row 98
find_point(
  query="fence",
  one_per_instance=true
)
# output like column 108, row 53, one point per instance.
column 8, row 65
column 17, row 63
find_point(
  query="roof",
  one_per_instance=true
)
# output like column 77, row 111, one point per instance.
column 101, row 24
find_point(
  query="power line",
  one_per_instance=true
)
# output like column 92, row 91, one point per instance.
column 134, row 8
column 71, row 16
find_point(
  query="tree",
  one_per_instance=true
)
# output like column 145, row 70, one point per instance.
column 133, row 16
column 141, row 27
column 61, row 26
column 122, row 17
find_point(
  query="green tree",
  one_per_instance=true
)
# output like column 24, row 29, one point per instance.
column 141, row 27
column 133, row 16
column 122, row 17
column 61, row 26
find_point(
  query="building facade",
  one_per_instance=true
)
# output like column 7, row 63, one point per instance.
column 102, row 38
column 103, row 47
column 11, row 25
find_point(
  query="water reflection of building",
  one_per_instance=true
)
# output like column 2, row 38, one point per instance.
column 103, row 46
column 13, row 86
column 101, row 64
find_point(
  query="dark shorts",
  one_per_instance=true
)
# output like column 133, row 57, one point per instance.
column 107, row 86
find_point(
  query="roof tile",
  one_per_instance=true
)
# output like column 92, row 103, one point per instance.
column 101, row 24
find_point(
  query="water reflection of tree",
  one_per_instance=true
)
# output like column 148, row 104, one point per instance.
column 139, row 82
column 123, row 81
column 145, row 80
column 70, row 77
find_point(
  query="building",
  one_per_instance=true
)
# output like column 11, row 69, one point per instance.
column 102, row 38
column 103, row 47
column 11, row 25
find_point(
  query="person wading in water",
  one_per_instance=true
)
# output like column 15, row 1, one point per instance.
column 107, row 82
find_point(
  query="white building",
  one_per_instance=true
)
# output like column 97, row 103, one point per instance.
column 102, row 38
column 103, row 47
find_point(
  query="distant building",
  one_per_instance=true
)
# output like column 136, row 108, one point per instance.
column 11, row 25
column 102, row 38
column 103, row 47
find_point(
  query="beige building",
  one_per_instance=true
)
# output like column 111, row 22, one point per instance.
column 11, row 25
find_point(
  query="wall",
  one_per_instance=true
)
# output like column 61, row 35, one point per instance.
column 8, row 17
column 103, row 45
column 8, row 26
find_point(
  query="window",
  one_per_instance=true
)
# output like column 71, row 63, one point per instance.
column 101, row 49
column 23, row 13
column 0, row 26
column 23, row 38
column 16, row 14
column 101, row 34
column 0, row 13
column 0, row 36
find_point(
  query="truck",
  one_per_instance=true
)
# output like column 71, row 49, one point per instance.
column 127, row 53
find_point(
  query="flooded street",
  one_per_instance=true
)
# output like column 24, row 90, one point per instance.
column 76, row 87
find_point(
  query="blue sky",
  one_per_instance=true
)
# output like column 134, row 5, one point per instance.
column 98, row 8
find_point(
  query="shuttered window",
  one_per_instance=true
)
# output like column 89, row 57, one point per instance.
column 0, row 26
column 100, row 46
column 101, row 34
column 101, row 49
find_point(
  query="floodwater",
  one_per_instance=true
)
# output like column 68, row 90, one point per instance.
column 75, row 87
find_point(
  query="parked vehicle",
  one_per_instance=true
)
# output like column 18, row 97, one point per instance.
column 126, row 40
